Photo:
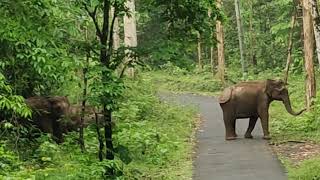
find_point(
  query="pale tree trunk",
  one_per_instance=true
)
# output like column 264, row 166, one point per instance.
column 316, row 26
column 130, row 32
column 116, row 32
column 252, row 39
column 199, row 50
column 220, row 46
column 117, row 40
column 212, row 64
column 251, row 51
column 240, row 36
column 289, row 59
column 308, row 53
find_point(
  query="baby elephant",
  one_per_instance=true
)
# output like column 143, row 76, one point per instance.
column 252, row 100
column 73, row 121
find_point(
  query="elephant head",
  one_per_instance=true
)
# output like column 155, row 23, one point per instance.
column 73, row 120
column 59, row 105
column 276, row 90
column 47, row 112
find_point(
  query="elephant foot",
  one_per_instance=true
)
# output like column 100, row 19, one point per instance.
column 231, row 138
column 267, row 137
column 248, row 136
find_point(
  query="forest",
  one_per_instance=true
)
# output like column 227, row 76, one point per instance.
column 83, row 83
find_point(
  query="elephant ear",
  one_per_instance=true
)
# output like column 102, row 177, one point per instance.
column 269, row 86
column 272, row 85
column 225, row 96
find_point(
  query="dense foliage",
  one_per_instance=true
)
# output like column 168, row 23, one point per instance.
column 169, row 30
column 144, row 136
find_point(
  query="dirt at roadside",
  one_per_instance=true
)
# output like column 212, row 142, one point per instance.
column 298, row 151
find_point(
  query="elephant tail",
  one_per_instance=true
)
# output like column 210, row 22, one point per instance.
column 225, row 96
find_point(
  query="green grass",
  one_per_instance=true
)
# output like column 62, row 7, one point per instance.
column 307, row 170
column 203, row 83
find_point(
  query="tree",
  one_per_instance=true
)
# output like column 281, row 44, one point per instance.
column 116, row 32
column 289, row 58
column 199, row 50
column 220, row 39
column 130, row 32
column 240, row 36
column 167, row 30
column 84, row 94
column 308, row 53
column 316, row 26
column 252, row 38
column 109, row 86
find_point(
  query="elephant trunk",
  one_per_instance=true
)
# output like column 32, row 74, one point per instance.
column 287, row 104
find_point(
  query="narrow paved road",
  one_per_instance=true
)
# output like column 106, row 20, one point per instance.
column 217, row 159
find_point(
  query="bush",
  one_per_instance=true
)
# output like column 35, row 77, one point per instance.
column 8, row 161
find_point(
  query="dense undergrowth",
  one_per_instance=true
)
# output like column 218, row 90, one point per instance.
column 180, row 80
column 153, row 140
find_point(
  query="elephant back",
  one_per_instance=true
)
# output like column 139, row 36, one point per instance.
column 225, row 95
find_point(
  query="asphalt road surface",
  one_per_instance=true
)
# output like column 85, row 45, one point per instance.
column 217, row 159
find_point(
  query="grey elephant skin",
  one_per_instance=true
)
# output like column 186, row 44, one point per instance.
column 252, row 100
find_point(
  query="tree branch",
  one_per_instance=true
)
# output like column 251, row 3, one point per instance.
column 94, row 18
column 94, row 51
column 123, row 70
column 105, row 18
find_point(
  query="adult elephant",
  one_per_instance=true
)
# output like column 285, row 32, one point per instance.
column 47, row 112
column 252, row 100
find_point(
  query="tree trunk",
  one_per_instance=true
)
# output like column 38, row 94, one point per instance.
column 252, row 37
column 116, row 32
column 199, row 50
column 84, row 100
column 316, row 26
column 130, row 32
column 212, row 59
column 100, row 138
column 220, row 46
column 212, row 64
column 104, row 34
column 308, row 53
column 240, row 36
column 108, row 133
column 293, row 21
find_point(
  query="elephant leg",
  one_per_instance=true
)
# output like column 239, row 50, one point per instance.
column 56, row 131
column 234, row 127
column 229, row 125
column 252, row 123
column 265, row 125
